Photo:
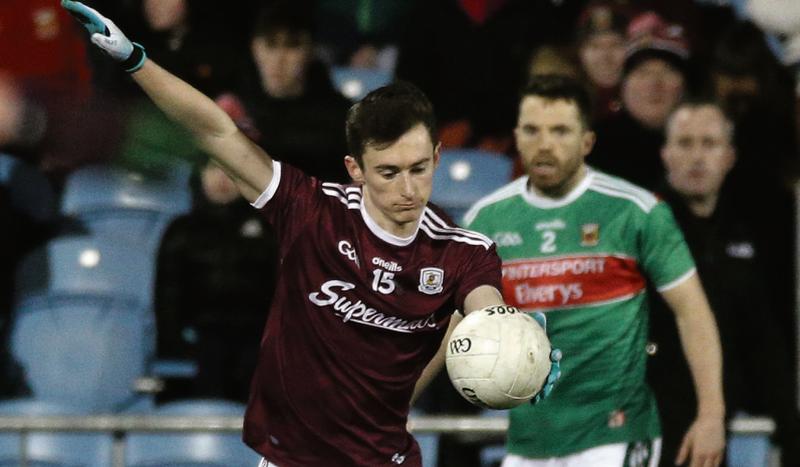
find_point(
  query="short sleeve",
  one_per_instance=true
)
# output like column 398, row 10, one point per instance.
column 665, row 256
column 483, row 267
column 290, row 201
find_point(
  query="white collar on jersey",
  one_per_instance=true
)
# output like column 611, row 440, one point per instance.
column 545, row 202
column 379, row 232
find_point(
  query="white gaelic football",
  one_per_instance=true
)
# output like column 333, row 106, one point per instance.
column 498, row 357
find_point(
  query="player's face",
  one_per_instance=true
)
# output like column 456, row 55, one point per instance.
column 698, row 153
column 552, row 142
column 651, row 91
column 397, row 179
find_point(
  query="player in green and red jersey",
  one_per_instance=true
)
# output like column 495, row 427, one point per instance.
column 582, row 246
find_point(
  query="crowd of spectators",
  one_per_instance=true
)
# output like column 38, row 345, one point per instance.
column 267, row 64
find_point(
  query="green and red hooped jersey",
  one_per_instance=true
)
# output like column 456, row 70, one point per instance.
column 585, row 259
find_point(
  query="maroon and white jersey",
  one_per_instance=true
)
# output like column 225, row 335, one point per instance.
column 357, row 314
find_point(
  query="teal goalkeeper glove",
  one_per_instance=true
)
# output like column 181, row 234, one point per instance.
column 107, row 36
column 555, row 364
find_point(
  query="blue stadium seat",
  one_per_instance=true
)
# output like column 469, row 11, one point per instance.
column 466, row 175
column 748, row 450
column 7, row 164
column 52, row 449
column 191, row 449
column 83, row 350
column 355, row 83
column 88, row 264
column 101, row 187
column 126, row 205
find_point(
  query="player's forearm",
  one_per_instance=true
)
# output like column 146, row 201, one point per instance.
column 700, row 340
column 428, row 374
column 702, row 348
column 437, row 362
column 214, row 131
column 184, row 104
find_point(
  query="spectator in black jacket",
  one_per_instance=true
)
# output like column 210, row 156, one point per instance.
column 288, row 104
column 216, row 274
column 758, row 379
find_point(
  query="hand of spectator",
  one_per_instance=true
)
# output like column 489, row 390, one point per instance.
column 107, row 36
column 704, row 443
column 555, row 364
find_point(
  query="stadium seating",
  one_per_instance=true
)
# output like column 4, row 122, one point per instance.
column 88, row 264
column 126, row 205
column 51, row 449
column 191, row 449
column 748, row 450
column 355, row 83
column 7, row 163
column 466, row 175
column 83, row 350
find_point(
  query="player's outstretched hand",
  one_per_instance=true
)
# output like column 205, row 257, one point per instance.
column 107, row 36
column 555, row 364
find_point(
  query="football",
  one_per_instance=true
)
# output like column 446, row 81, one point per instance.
column 498, row 357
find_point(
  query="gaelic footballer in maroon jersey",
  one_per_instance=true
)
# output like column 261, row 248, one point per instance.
column 353, row 323
column 369, row 277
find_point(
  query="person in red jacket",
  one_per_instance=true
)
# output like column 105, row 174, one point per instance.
column 42, row 49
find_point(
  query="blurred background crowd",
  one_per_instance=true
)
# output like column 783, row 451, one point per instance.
column 69, row 117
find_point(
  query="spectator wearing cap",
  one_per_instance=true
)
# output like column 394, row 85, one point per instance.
column 600, row 40
column 653, row 83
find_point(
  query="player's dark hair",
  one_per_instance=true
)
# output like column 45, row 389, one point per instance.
column 385, row 114
column 560, row 87
column 288, row 17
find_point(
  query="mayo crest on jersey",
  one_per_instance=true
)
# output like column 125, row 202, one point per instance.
column 586, row 259
column 356, row 316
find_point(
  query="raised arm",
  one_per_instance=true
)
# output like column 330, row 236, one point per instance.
column 215, row 133
column 213, row 130
column 705, row 440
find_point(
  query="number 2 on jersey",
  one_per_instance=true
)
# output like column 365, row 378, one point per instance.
column 382, row 281
column 548, row 242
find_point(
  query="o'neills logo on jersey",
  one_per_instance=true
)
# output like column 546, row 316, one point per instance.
column 351, row 309
column 570, row 281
